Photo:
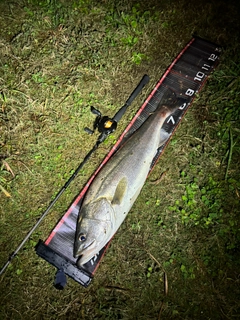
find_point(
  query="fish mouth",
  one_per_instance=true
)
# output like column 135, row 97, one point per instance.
column 81, row 252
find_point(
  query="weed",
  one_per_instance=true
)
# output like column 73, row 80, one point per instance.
column 149, row 272
column 188, row 273
column 130, row 41
column 137, row 58
column 38, row 77
column 200, row 205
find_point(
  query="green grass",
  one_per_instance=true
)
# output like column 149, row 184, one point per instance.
column 57, row 59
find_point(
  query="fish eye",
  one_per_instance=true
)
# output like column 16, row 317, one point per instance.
column 82, row 237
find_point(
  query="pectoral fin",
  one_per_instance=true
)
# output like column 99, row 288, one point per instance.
column 120, row 191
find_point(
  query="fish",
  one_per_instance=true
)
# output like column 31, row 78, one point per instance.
column 118, row 184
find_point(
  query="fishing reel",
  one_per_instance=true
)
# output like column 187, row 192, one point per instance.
column 106, row 125
column 103, row 124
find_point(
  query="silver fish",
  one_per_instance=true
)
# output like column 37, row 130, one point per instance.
column 117, row 186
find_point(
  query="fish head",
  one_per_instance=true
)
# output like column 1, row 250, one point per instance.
column 94, row 229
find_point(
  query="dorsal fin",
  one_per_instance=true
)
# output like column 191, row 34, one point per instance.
column 120, row 191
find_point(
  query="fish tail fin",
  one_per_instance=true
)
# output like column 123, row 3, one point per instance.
column 170, row 102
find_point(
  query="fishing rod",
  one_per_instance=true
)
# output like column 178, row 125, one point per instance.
column 105, row 126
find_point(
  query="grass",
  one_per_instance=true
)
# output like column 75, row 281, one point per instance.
column 57, row 59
